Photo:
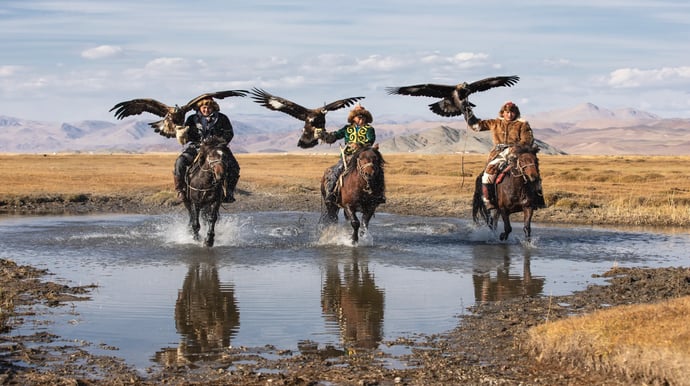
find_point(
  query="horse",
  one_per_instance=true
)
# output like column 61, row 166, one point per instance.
column 205, row 184
column 516, row 190
column 361, row 187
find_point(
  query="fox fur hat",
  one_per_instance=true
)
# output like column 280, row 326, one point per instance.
column 360, row 110
column 207, row 101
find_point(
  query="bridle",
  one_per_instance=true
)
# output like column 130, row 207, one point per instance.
column 519, row 170
column 205, row 167
column 364, row 175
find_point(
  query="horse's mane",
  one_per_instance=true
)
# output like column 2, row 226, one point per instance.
column 534, row 149
column 209, row 145
column 352, row 162
column 531, row 149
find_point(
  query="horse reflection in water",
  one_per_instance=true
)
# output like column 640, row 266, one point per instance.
column 353, row 300
column 504, row 285
column 206, row 317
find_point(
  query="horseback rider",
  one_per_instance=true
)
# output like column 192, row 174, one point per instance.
column 358, row 133
column 508, row 131
column 207, row 122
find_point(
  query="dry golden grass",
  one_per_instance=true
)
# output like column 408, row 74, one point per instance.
column 579, row 189
column 649, row 341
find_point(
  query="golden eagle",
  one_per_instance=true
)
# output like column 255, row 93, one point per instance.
column 173, row 116
column 453, row 96
column 313, row 118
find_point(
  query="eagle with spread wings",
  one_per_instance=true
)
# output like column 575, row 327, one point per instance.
column 453, row 97
column 312, row 118
column 173, row 116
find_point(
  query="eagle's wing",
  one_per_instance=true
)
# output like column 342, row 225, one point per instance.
column 138, row 106
column 429, row 90
column 497, row 81
column 279, row 104
column 339, row 104
column 215, row 95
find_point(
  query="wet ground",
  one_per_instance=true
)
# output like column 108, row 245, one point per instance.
column 487, row 347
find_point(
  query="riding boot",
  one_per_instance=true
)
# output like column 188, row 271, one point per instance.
column 331, row 187
column 486, row 196
column 230, row 184
column 179, row 188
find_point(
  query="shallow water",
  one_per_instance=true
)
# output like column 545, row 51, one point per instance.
column 276, row 278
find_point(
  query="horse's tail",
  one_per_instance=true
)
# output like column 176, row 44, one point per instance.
column 478, row 206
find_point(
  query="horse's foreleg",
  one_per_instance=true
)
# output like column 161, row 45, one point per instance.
column 527, row 228
column 507, row 228
column 354, row 222
column 366, row 216
column 212, row 218
column 194, row 225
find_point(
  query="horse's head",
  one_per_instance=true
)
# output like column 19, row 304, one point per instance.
column 213, row 155
column 527, row 163
column 367, row 161
column 315, row 119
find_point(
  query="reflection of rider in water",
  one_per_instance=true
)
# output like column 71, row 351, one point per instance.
column 507, row 132
column 505, row 285
column 206, row 313
column 358, row 133
column 355, row 302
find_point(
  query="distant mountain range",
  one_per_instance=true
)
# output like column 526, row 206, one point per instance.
column 583, row 129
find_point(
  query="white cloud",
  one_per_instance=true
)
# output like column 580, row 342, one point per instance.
column 9, row 70
column 101, row 52
column 634, row 77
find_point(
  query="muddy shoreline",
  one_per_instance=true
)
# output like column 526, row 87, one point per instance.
column 487, row 347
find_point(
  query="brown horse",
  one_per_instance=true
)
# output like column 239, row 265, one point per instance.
column 361, row 188
column 516, row 191
column 205, row 181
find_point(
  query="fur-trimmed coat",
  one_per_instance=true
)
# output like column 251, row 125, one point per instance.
column 504, row 132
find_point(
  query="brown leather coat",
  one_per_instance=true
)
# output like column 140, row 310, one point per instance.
column 504, row 132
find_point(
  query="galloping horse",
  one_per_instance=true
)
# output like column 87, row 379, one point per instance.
column 361, row 186
column 516, row 191
column 205, row 181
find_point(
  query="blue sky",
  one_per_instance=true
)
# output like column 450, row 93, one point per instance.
column 73, row 60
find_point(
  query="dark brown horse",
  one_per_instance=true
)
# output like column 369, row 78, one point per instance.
column 360, row 191
column 205, row 181
column 516, row 191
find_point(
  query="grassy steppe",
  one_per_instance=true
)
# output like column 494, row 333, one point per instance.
column 645, row 340
column 632, row 190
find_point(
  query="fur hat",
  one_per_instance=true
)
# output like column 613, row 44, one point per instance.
column 207, row 101
column 509, row 106
column 360, row 110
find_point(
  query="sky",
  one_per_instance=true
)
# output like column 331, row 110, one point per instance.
column 70, row 61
